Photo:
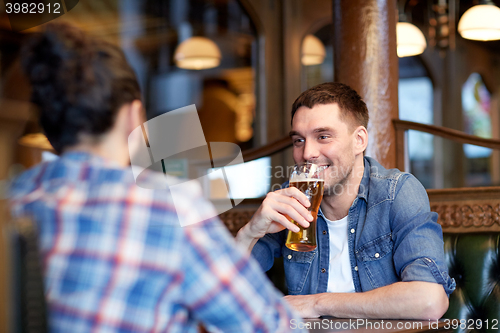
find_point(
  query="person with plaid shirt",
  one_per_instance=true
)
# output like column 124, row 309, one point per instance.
column 114, row 255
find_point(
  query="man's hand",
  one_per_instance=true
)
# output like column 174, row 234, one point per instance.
column 305, row 305
column 271, row 217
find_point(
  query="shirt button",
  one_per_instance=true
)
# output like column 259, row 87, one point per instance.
column 353, row 231
column 323, row 270
column 377, row 255
column 324, row 232
column 356, row 268
column 289, row 257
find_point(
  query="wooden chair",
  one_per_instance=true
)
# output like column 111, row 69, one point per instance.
column 27, row 310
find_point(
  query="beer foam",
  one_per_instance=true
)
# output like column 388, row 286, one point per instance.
column 303, row 177
column 299, row 177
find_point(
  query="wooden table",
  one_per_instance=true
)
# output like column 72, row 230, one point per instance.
column 330, row 324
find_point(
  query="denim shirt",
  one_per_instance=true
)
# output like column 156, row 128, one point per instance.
column 392, row 236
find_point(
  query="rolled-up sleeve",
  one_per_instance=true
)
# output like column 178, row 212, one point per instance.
column 417, row 237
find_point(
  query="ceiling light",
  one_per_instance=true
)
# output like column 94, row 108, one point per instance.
column 481, row 22
column 410, row 40
column 197, row 53
column 36, row 140
column 313, row 51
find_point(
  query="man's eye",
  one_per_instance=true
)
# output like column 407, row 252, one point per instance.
column 323, row 137
column 298, row 141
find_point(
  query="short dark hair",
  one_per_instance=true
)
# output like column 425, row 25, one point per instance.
column 79, row 83
column 353, row 109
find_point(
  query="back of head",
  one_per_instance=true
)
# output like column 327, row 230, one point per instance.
column 78, row 83
column 353, row 109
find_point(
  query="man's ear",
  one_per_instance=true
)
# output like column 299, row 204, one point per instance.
column 360, row 139
column 135, row 115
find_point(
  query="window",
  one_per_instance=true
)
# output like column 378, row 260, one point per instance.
column 416, row 104
column 477, row 121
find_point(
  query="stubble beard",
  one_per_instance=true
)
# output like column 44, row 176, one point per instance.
column 339, row 186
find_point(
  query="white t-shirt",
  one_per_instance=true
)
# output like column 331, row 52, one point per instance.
column 339, row 272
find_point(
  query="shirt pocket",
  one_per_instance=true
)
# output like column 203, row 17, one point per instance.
column 376, row 258
column 297, row 268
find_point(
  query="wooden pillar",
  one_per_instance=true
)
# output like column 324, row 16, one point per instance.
column 364, row 39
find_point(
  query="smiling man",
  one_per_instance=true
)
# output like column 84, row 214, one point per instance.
column 380, row 249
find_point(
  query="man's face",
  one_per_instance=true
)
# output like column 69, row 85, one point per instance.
column 320, row 136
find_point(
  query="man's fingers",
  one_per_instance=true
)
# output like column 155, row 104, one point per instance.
column 297, row 194
column 279, row 208
column 281, row 219
column 295, row 213
column 289, row 206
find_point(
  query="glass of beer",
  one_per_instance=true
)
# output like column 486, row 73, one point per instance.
column 308, row 179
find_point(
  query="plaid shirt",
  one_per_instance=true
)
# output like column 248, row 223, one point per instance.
column 115, row 258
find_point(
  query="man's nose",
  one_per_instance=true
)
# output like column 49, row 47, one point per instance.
column 311, row 152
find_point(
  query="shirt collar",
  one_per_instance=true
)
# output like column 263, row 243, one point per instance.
column 86, row 157
column 365, row 181
column 320, row 212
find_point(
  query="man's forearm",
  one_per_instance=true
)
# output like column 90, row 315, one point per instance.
column 401, row 300
column 245, row 240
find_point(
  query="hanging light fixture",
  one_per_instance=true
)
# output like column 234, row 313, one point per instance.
column 410, row 40
column 481, row 22
column 197, row 53
column 36, row 140
column 313, row 51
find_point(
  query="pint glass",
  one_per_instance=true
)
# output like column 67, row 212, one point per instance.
column 307, row 178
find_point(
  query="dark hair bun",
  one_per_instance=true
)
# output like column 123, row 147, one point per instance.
column 76, row 81
column 57, row 47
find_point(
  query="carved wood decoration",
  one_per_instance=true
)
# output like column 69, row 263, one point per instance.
column 234, row 220
column 456, row 216
column 237, row 217
column 467, row 209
